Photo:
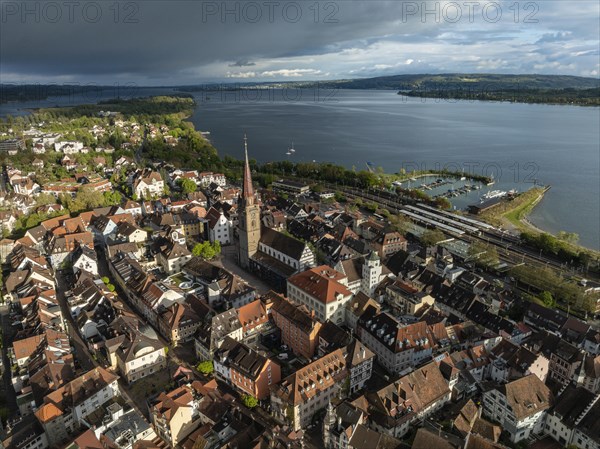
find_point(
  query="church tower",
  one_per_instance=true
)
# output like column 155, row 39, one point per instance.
column 249, row 218
column 328, row 425
column 371, row 273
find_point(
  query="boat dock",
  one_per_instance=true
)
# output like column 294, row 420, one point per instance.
column 457, row 192
column 437, row 183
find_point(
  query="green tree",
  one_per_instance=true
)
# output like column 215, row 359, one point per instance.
column 249, row 401
column 547, row 298
column 112, row 198
column 432, row 237
column 484, row 255
column 45, row 198
column 206, row 367
column 86, row 199
column 207, row 250
column 569, row 237
column 187, row 185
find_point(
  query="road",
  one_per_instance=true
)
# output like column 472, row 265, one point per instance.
column 82, row 353
column 228, row 261
column 8, row 332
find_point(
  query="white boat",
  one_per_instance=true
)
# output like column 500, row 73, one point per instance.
column 292, row 149
column 493, row 194
column 288, row 153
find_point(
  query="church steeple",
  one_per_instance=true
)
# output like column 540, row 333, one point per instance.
column 248, row 217
column 247, row 190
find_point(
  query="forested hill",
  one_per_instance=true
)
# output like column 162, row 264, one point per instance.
column 466, row 81
column 551, row 89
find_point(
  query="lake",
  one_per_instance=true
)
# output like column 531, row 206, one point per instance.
column 519, row 144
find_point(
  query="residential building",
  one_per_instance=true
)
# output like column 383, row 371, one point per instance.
column 174, row 415
column 64, row 410
column 575, row 418
column 248, row 371
column 290, row 187
column 398, row 346
column 178, row 323
column 406, row 297
column 147, row 184
column 213, row 332
column 519, row 406
column 410, row 399
column 299, row 328
column 172, row 257
column 322, row 290
column 340, row 424
column 219, row 226
column 134, row 349
column 254, row 317
column 311, row 388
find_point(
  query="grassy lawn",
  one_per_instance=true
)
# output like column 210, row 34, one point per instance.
column 520, row 211
column 515, row 211
column 178, row 278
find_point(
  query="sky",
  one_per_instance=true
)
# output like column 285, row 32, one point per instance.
column 158, row 43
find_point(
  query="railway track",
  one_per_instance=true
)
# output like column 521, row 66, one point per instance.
column 507, row 245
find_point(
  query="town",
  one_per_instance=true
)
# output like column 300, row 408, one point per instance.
column 153, row 305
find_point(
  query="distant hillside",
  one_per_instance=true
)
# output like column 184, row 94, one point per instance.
column 465, row 81
column 549, row 89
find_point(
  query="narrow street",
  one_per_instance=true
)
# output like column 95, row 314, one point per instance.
column 8, row 332
column 82, row 354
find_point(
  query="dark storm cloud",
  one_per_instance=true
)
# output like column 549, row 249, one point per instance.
column 242, row 63
column 157, row 42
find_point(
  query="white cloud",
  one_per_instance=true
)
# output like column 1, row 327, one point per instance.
column 291, row 73
column 241, row 75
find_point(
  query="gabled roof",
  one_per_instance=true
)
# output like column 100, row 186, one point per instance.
column 365, row 438
column 253, row 314
column 74, row 393
column 412, row 393
column 167, row 404
column 241, row 358
column 310, row 380
column 322, row 283
column 213, row 216
column 175, row 251
column 425, row 439
column 285, row 244
column 527, row 396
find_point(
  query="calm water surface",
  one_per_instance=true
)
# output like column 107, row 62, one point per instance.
column 517, row 143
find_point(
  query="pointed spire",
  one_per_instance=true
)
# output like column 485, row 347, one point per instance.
column 247, row 191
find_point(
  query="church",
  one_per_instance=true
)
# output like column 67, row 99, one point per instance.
column 271, row 255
